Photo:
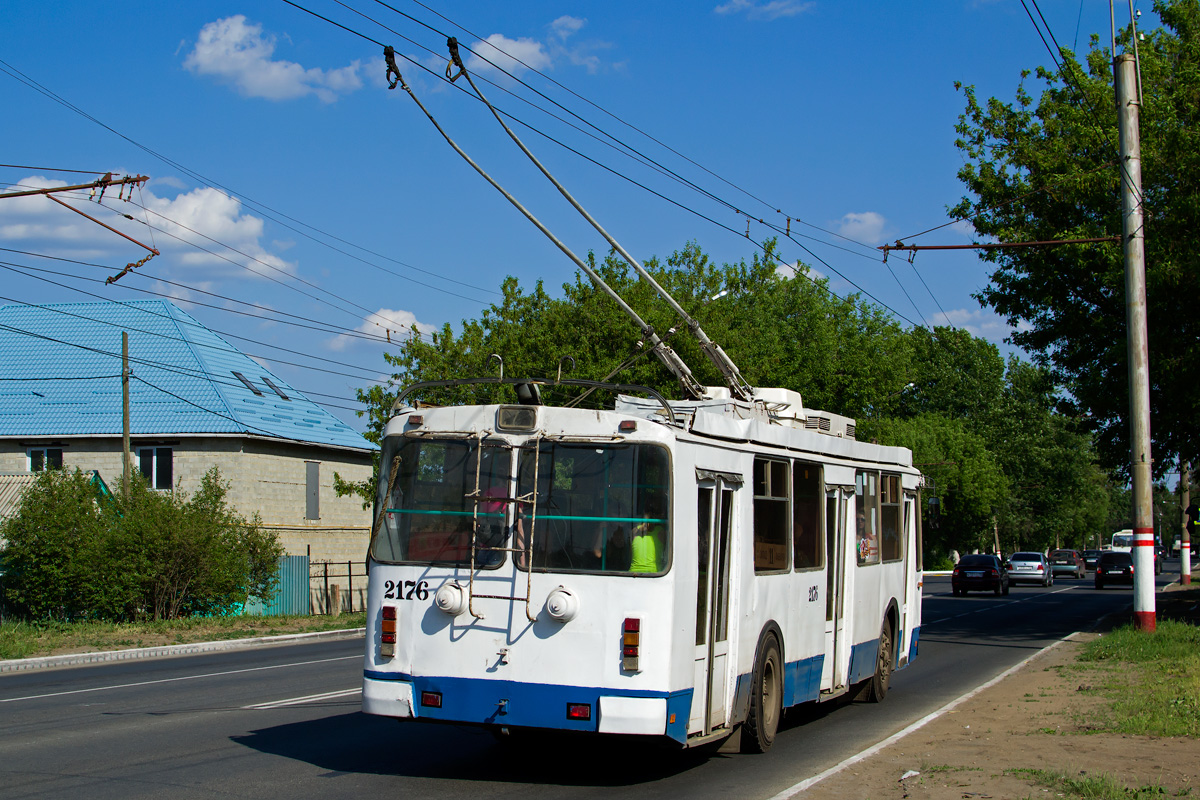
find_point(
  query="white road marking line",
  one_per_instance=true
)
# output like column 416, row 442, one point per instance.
column 181, row 678
column 312, row 698
column 795, row 789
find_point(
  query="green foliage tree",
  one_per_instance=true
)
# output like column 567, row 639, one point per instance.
column 1047, row 168
column 144, row 554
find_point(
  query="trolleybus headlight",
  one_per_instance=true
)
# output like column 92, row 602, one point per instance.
column 451, row 598
column 562, row 605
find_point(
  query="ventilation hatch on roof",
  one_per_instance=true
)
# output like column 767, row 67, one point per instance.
column 274, row 388
column 247, row 383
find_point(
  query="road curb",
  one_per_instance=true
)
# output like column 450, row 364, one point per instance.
column 165, row 651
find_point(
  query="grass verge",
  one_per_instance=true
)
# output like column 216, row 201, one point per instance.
column 1094, row 787
column 1152, row 681
column 27, row 640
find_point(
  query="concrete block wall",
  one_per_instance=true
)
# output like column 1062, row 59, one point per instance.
column 266, row 477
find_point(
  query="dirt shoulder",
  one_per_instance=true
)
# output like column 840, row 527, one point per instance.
column 1035, row 719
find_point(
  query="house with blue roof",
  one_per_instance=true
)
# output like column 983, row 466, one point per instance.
column 195, row 402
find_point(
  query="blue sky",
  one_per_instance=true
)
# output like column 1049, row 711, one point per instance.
column 331, row 214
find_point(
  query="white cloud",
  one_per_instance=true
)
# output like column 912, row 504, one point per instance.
column 387, row 323
column 769, row 10
column 977, row 322
column 238, row 53
column 866, row 227
column 508, row 54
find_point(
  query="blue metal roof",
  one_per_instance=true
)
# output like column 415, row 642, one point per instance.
column 60, row 375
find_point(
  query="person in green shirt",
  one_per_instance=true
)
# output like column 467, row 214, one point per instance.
column 648, row 545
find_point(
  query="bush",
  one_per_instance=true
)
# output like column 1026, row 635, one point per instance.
column 143, row 554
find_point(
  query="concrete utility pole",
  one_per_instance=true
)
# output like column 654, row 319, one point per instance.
column 126, row 456
column 1128, row 104
column 1185, row 539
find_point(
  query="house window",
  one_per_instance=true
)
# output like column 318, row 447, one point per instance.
column 43, row 458
column 312, row 490
column 157, row 465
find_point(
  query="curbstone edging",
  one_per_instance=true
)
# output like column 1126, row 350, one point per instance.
column 164, row 651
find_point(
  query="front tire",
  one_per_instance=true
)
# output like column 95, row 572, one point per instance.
column 877, row 685
column 766, row 699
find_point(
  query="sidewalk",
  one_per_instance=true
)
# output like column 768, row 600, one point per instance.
column 103, row 656
column 986, row 746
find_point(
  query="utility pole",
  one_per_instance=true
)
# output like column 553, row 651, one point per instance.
column 1185, row 538
column 126, row 456
column 1137, row 341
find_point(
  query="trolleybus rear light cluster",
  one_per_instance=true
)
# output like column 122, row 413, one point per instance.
column 387, row 636
column 431, row 699
column 579, row 711
column 631, row 642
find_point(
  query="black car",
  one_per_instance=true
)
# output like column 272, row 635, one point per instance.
column 1114, row 567
column 980, row 573
column 1090, row 557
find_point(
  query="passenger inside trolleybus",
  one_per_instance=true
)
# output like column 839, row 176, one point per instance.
column 649, row 542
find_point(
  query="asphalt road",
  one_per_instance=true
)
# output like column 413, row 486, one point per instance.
column 284, row 722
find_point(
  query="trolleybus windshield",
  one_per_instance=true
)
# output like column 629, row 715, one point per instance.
column 429, row 502
column 601, row 507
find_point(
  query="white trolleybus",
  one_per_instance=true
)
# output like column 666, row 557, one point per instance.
column 682, row 570
column 671, row 569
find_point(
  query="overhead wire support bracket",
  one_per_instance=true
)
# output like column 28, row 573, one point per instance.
column 738, row 386
column 899, row 245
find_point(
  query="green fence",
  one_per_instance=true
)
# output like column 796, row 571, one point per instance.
column 291, row 595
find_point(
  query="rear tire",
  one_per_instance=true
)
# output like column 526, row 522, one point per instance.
column 877, row 685
column 1099, row 583
column 1005, row 590
column 766, row 699
column 999, row 589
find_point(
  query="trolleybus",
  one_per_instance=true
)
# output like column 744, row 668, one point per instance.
column 675, row 569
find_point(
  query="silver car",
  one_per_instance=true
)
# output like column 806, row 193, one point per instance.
column 1029, row 568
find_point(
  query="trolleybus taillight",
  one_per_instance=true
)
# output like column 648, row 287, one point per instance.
column 387, row 636
column 431, row 699
column 579, row 711
column 631, row 640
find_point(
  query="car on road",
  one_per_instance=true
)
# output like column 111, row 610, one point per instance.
column 1090, row 557
column 1066, row 562
column 1114, row 567
column 981, row 573
column 1025, row 567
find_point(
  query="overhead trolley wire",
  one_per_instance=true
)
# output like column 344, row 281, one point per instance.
column 255, row 205
column 697, row 213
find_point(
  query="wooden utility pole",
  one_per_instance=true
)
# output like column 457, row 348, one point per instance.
column 1137, row 341
column 126, row 456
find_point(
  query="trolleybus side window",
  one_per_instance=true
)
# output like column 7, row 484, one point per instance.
column 807, row 538
column 866, row 516
column 891, row 543
column 772, row 491
column 704, row 498
column 429, row 503
column 600, row 507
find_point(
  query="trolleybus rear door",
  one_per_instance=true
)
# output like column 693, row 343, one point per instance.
column 715, row 499
column 833, row 666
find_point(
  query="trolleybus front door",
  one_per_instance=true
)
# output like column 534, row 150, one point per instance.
column 710, row 700
column 833, row 666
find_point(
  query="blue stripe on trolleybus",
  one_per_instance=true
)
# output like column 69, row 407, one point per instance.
column 533, row 705
column 802, row 680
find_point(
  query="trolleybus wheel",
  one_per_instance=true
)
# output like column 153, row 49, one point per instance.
column 766, row 699
column 877, row 684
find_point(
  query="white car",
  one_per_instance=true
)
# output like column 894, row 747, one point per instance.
column 1029, row 568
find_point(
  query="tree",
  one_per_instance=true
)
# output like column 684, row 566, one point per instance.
column 1049, row 169
column 142, row 554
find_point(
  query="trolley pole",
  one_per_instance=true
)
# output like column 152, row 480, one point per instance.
column 1185, row 538
column 1137, row 341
